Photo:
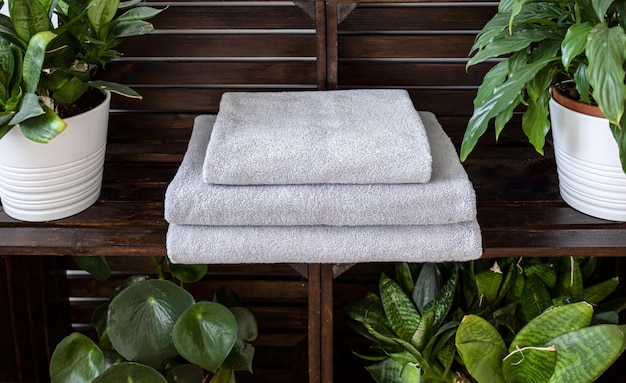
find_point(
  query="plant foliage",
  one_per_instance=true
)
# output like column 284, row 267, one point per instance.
column 540, row 44
column 153, row 330
column 538, row 320
column 43, row 66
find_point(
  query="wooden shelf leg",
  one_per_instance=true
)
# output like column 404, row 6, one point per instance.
column 314, row 287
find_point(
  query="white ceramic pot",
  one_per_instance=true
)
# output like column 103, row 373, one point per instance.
column 591, row 179
column 43, row 182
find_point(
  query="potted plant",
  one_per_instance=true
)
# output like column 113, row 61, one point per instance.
column 574, row 49
column 47, row 86
column 153, row 330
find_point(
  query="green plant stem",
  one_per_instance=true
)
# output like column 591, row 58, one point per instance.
column 158, row 265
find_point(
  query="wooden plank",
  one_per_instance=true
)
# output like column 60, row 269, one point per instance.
column 451, row 46
column 221, row 45
column 212, row 72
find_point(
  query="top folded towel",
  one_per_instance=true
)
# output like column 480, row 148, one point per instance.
column 344, row 137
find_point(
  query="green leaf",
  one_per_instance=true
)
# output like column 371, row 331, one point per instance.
column 574, row 42
column 503, row 95
column 76, row 359
column 535, row 121
column 424, row 331
column 426, row 286
column 606, row 54
column 535, row 298
column 223, row 376
column 404, row 277
column 543, row 271
column 442, row 304
column 399, row 309
column 552, row 323
column 30, row 108
column 97, row 266
column 185, row 373
column 481, row 349
column 619, row 133
column 5, row 127
column 600, row 291
column 139, row 13
column 130, row 372
column 387, row 371
column 7, row 65
column 141, row 320
column 529, row 365
column 488, row 283
column 101, row 12
column 507, row 43
column 242, row 353
column 33, row 59
column 584, row 354
column 600, row 7
column 570, row 284
column 188, row 273
column 29, row 18
column 131, row 28
column 44, row 127
column 205, row 333
column 71, row 91
column 120, row 89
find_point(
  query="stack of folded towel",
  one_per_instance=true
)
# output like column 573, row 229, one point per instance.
column 320, row 177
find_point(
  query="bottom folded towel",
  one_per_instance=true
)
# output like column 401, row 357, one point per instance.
column 323, row 244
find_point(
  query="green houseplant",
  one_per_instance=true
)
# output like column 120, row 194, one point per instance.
column 546, row 45
column 458, row 322
column 153, row 330
column 48, row 80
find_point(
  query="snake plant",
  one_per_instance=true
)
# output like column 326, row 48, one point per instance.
column 538, row 44
column 43, row 66
column 462, row 321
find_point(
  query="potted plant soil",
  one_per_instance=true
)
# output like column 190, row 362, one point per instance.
column 53, row 113
column 547, row 46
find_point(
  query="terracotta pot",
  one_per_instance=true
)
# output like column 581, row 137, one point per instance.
column 42, row 182
column 591, row 179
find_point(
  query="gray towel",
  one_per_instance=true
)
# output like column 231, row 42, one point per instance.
column 349, row 136
column 448, row 198
column 323, row 244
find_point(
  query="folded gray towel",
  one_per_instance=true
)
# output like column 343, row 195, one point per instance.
column 323, row 244
column 448, row 198
column 349, row 136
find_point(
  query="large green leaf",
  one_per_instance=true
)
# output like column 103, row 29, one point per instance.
column 619, row 133
column 130, row 372
column 404, row 277
column 139, row 13
column 76, row 359
column 101, row 12
column 116, row 88
column 600, row 7
column 29, row 18
column 443, row 302
column 570, row 280
column 488, row 283
column 131, row 28
column 584, row 354
column 399, row 309
column 141, row 320
column 188, row 273
column 574, row 42
column 529, row 365
column 205, row 333
column 7, row 65
column 387, row 371
column 44, row 127
column 223, row 376
column 481, row 349
column 552, row 323
column 606, row 54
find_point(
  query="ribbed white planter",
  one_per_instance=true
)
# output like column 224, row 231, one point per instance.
column 591, row 179
column 43, row 182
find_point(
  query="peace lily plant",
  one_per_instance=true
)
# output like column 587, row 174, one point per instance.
column 541, row 44
column 45, row 68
